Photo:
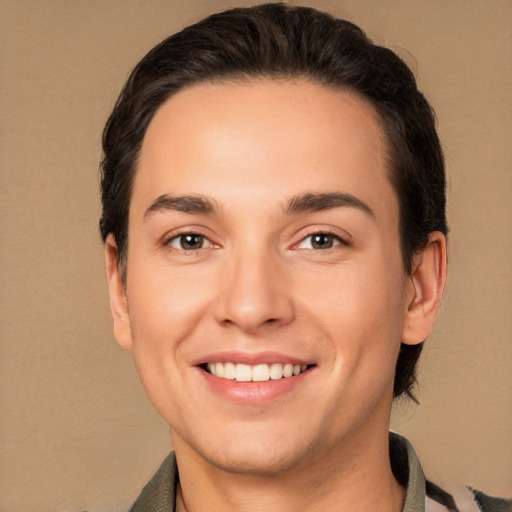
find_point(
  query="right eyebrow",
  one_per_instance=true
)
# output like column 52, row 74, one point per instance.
column 187, row 204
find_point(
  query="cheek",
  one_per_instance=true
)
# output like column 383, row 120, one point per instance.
column 361, row 310
column 355, row 294
column 164, row 311
column 165, row 307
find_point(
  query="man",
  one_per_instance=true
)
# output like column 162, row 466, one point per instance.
column 274, row 225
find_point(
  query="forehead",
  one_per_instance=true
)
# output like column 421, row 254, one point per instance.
column 271, row 138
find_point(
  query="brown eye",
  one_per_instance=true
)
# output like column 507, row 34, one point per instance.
column 319, row 241
column 188, row 242
column 322, row 241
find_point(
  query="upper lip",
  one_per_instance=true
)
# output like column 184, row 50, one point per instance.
column 250, row 359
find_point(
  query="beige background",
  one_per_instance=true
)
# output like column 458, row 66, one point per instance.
column 76, row 431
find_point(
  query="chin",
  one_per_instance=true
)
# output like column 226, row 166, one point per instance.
column 258, row 455
column 255, row 463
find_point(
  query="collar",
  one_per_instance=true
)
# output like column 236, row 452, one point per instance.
column 399, row 449
column 159, row 495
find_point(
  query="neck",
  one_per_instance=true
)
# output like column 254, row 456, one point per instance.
column 357, row 477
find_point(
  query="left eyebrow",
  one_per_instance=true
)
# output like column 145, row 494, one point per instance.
column 314, row 202
column 195, row 204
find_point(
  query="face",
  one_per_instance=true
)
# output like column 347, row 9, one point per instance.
column 265, row 296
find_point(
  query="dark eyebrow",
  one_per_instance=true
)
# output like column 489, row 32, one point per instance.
column 316, row 202
column 188, row 204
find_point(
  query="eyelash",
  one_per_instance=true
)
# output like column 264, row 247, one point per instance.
column 176, row 237
column 336, row 241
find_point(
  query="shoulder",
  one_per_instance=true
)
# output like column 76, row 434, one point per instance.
column 159, row 494
column 462, row 499
column 491, row 503
column 429, row 496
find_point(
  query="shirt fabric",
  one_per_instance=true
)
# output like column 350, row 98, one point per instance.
column 159, row 495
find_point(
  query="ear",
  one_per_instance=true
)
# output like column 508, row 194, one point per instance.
column 118, row 300
column 425, row 290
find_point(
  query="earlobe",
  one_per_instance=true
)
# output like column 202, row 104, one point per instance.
column 425, row 290
column 117, row 292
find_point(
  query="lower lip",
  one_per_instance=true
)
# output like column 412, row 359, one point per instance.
column 254, row 393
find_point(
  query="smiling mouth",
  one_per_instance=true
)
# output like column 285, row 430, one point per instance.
column 256, row 373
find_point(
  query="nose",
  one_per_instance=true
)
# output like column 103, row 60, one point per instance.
column 255, row 294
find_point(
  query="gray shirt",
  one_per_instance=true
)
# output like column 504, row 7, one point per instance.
column 159, row 495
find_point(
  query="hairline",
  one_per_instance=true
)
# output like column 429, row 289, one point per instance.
column 243, row 78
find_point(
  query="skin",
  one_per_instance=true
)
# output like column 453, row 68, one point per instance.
column 255, row 284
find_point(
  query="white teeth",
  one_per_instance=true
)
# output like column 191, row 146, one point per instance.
column 243, row 373
column 229, row 371
column 276, row 371
column 288, row 370
column 260, row 373
column 257, row 373
column 219, row 370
